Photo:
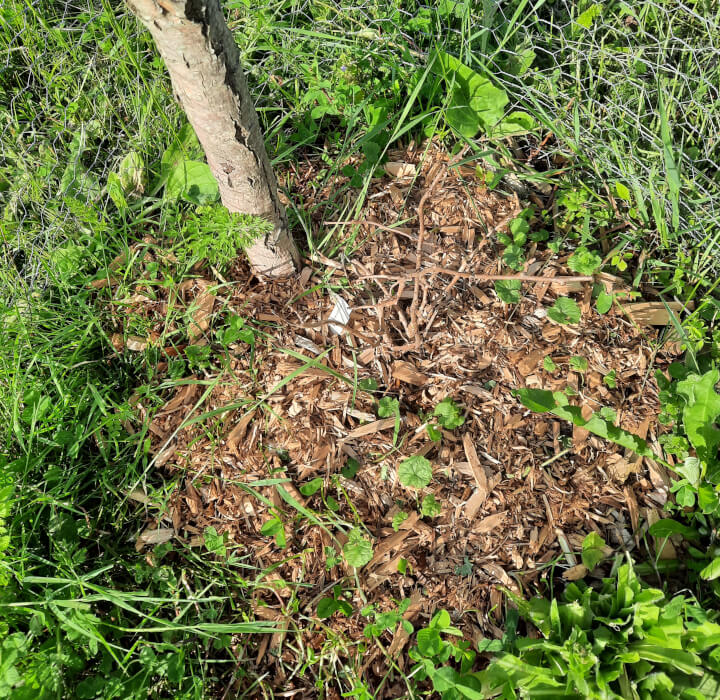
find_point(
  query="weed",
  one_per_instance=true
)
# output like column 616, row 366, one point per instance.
column 565, row 311
column 415, row 472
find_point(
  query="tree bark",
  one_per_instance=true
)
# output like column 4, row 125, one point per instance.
column 203, row 61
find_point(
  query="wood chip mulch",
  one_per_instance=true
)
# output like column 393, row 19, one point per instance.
column 519, row 491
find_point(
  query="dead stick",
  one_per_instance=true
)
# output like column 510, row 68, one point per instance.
column 414, row 323
column 479, row 276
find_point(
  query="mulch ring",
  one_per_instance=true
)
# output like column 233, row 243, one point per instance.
column 518, row 490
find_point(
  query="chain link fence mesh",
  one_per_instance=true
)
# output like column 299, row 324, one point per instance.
column 629, row 89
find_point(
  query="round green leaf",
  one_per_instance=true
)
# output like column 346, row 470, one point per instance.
column 604, row 302
column 415, row 472
column 430, row 507
column 357, row 551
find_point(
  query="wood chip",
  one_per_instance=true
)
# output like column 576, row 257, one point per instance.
column 653, row 313
column 399, row 169
column 374, row 427
column 405, row 372
column 201, row 310
column 490, row 523
column 157, row 536
column 575, row 573
column 477, row 469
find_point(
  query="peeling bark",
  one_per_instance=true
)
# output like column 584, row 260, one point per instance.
column 203, row 61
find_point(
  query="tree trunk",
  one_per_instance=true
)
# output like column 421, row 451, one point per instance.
column 203, row 61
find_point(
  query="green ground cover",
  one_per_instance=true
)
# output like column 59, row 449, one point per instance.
column 629, row 92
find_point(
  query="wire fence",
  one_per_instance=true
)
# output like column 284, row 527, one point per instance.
column 634, row 90
column 631, row 90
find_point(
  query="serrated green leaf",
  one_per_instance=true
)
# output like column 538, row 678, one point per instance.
column 214, row 542
column 584, row 261
column 430, row 506
column 508, row 290
column 388, row 407
column 415, row 472
column 449, row 414
column 514, row 257
column 565, row 311
column 398, row 519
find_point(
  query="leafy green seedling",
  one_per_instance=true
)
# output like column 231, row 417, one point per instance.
column 312, row 486
column 350, row 469
column 430, row 507
column 548, row 364
column 368, row 385
column 327, row 607
column 389, row 620
column 331, row 558
column 464, row 569
column 388, row 407
column 449, row 415
column 584, row 261
column 604, row 302
column 214, row 542
column 610, row 379
column 578, row 364
column 565, row 311
column 358, row 550
column 592, row 550
column 198, row 355
column 398, row 519
column 235, row 331
column 415, row 472
column 275, row 528
column 508, row 290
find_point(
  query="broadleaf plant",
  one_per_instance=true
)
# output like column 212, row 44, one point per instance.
column 415, row 472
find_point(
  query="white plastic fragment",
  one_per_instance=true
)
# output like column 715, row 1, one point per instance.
column 339, row 314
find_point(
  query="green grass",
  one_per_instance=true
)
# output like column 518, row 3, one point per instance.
column 81, row 87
